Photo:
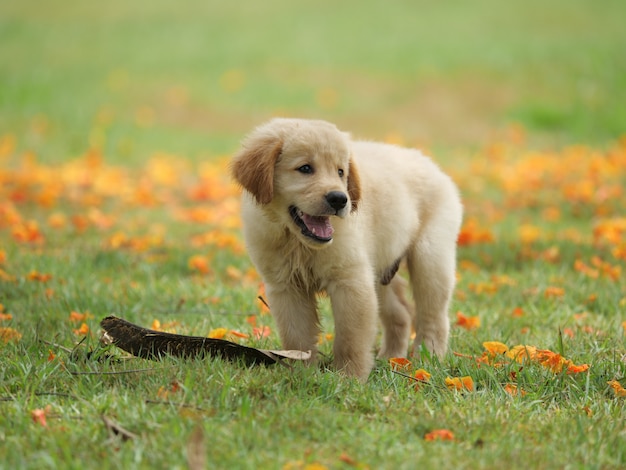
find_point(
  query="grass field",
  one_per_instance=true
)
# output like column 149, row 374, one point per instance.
column 116, row 125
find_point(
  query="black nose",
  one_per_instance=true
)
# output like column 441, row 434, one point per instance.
column 337, row 200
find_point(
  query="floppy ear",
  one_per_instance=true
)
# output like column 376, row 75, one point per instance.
column 354, row 185
column 253, row 167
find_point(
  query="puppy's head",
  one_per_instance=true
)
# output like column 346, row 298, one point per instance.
column 301, row 172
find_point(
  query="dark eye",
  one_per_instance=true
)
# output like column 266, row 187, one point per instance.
column 306, row 169
column 340, row 171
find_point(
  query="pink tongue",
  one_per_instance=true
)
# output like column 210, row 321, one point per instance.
column 319, row 226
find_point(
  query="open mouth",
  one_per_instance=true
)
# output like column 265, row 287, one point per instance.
column 315, row 227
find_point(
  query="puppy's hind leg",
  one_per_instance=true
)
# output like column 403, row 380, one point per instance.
column 395, row 315
column 432, row 265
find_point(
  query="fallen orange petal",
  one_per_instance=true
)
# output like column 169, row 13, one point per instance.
column 37, row 276
column 466, row 356
column 57, row 220
column 422, row 375
column 460, row 383
column 345, row 458
column 217, row 333
column 574, row 369
column 553, row 292
column 617, row 388
column 199, row 263
column 469, row 323
column 239, row 334
column 529, row 233
column 514, row 390
column 551, row 360
column 39, row 416
column 472, row 232
column 399, row 363
column 175, row 386
column 495, row 347
column 79, row 317
column 439, row 435
column 233, row 273
column 28, row 232
column 9, row 334
column 167, row 327
column 83, row 330
column 518, row 312
column 260, row 332
column 521, row 353
column 163, row 393
column 569, row 332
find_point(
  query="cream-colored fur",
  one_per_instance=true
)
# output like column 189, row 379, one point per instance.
column 396, row 206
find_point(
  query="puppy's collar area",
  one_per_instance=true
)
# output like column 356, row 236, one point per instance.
column 315, row 227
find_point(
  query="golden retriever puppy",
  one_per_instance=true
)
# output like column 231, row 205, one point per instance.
column 323, row 213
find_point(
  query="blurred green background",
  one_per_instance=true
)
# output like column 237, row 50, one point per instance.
column 193, row 77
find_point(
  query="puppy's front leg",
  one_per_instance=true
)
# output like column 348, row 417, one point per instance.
column 354, row 306
column 295, row 312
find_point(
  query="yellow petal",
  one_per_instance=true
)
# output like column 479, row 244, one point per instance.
column 495, row 347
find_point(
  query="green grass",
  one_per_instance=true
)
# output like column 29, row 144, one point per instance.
column 128, row 80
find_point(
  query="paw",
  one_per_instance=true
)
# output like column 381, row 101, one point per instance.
column 389, row 351
column 436, row 345
column 358, row 367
